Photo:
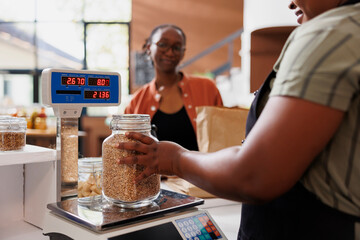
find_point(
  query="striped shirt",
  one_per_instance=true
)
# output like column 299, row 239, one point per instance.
column 320, row 62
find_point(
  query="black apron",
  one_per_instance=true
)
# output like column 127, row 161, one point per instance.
column 297, row 214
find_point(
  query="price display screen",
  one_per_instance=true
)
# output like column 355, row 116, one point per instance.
column 96, row 94
column 73, row 81
column 99, row 82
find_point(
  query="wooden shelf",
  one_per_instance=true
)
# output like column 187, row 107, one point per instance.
column 30, row 154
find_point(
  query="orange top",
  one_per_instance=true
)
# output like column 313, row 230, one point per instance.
column 196, row 91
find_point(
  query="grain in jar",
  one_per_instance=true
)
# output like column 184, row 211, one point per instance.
column 118, row 185
column 69, row 150
column 12, row 133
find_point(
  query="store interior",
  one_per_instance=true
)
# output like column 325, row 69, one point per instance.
column 235, row 43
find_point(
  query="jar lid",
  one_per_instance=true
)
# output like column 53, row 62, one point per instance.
column 91, row 162
column 8, row 123
column 129, row 122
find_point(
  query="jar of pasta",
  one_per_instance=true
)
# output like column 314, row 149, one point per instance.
column 12, row 133
column 89, row 179
column 118, row 185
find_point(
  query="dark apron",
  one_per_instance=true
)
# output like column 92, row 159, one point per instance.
column 297, row 214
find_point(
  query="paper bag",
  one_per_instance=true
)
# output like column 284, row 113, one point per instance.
column 182, row 186
column 220, row 127
column 217, row 128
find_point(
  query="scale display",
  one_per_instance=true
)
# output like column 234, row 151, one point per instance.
column 68, row 91
column 83, row 87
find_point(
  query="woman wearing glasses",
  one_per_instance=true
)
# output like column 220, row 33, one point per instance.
column 171, row 97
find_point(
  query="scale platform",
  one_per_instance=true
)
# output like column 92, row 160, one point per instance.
column 101, row 216
column 172, row 216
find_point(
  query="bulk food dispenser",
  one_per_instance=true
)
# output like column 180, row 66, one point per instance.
column 170, row 216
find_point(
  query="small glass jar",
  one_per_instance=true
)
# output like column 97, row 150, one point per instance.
column 118, row 185
column 89, row 179
column 12, row 133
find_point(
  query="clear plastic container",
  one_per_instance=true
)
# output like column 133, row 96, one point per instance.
column 12, row 133
column 118, row 185
column 69, row 150
column 89, row 180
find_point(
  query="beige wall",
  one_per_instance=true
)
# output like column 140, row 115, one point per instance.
column 204, row 22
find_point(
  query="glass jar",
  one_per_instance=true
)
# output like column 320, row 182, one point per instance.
column 89, row 178
column 12, row 133
column 118, row 185
column 69, row 151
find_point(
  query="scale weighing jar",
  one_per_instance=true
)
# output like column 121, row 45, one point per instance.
column 171, row 216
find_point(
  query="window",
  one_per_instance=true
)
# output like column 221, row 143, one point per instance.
column 81, row 34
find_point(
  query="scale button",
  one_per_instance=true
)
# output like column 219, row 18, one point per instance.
column 189, row 229
column 207, row 236
column 184, row 230
column 198, row 232
column 196, row 238
column 195, row 227
column 180, row 224
column 187, row 235
column 186, row 223
column 191, row 222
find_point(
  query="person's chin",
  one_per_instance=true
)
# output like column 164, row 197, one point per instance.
column 300, row 19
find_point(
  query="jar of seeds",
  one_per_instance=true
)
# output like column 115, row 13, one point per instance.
column 12, row 133
column 118, row 185
column 69, row 150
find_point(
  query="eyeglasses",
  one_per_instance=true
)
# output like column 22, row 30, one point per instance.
column 177, row 49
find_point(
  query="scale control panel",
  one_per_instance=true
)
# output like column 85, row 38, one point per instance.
column 197, row 225
column 68, row 91
column 194, row 224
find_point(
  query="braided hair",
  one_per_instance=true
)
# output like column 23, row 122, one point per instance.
column 162, row 26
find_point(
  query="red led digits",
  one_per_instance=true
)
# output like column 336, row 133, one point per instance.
column 73, row 81
column 96, row 94
column 103, row 82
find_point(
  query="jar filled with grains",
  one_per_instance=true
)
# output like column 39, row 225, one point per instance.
column 118, row 185
column 12, row 133
column 69, row 151
column 89, row 178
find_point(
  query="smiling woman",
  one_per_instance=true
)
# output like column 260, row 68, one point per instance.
column 308, row 9
column 172, row 96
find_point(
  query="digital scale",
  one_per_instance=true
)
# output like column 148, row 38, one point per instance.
column 171, row 216
column 68, row 91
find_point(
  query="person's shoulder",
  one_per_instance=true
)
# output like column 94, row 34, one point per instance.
column 342, row 19
column 143, row 90
column 199, row 80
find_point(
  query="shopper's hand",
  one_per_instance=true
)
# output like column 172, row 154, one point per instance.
column 157, row 157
